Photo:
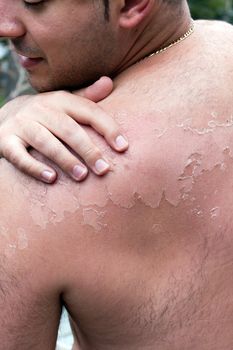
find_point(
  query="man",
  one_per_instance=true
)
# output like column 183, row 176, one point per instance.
column 142, row 258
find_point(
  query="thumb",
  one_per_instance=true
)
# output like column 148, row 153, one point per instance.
column 97, row 91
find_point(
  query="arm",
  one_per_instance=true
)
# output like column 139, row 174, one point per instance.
column 29, row 290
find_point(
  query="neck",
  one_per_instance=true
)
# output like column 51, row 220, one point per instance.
column 162, row 29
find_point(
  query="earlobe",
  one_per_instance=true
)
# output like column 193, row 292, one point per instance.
column 134, row 11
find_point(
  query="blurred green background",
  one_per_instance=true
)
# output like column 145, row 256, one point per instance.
column 11, row 77
column 212, row 9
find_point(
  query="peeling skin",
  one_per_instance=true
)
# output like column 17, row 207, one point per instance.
column 192, row 162
column 12, row 245
column 212, row 124
column 50, row 211
column 22, row 239
column 4, row 231
column 214, row 212
column 93, row 218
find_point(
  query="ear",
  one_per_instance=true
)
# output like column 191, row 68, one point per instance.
column 134, row 11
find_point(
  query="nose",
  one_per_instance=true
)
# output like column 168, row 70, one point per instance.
column 10, row 26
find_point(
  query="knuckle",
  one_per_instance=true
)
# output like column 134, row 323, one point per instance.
column 111, row 133
column 39, row 142
column 60, row 94
column 64, row 159
column 94, row 108
column 10, row 154
column 38, row 107
column 29, row 168
column 91, row 108
column 68, row 130
column 54, row 152
column 3, row 132
column 91, row 153
column 41, row 104
column 68, row 164
column 37, row 104
column 19, row 119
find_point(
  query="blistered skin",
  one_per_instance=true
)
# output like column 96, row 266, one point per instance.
column 142, row 258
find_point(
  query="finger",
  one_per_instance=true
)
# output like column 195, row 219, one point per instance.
column 15, row 152
column 106, row 126
column 76, row 138
column 97, row 91
column 89, row 113
column 48, row 145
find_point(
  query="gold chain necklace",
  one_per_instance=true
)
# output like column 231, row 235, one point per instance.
column 177, row 41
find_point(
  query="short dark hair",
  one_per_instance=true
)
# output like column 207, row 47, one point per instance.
column 106, row 9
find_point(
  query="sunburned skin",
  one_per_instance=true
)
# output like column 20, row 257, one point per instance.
column 142, row 258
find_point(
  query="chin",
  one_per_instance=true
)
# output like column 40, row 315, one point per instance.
column 45, row 81
column 44, row 86
column 39, row 85
column 49, row 85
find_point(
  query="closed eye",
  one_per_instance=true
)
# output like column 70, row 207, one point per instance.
column 33, row 3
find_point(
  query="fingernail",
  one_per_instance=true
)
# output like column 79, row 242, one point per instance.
column 121, row 142
column 79, row 172
column 101, row 166
column 47, row 176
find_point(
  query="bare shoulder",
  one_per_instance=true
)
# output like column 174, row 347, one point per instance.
column 220, row 28
column 29, row 298
column 217, row 33
column 215, row 25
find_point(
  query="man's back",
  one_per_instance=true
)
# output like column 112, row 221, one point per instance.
column 142, row 259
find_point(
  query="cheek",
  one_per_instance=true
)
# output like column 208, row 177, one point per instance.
column 59, row 48
column 74, row 57
column 69, row 51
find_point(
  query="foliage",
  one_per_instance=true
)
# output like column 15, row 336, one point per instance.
column 3, row 69
column 212, row 9
column 2, row 101
column 13, row 80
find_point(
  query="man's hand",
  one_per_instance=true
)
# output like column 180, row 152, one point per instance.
column 41, row 120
